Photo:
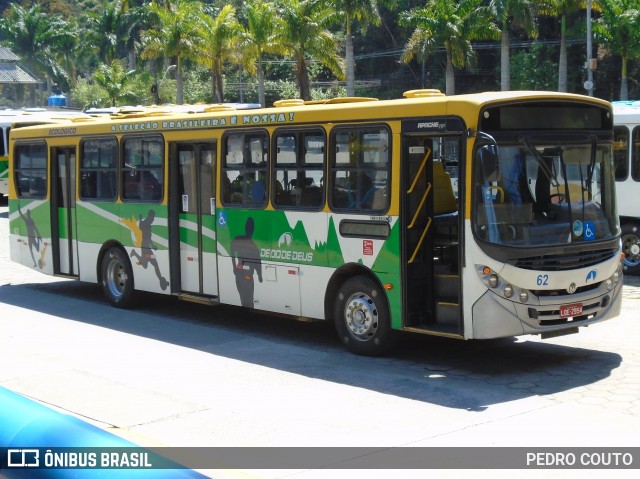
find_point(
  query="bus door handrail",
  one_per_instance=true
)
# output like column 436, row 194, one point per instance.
column 420, row 206
column 420, row 170
column 422, row 237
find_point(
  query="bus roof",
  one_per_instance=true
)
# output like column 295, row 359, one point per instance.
column 291, row 112
column 626, row 111
column 35, row 116
column 169, row 108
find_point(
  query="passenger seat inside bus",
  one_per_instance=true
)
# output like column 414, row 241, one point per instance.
column 444, row 200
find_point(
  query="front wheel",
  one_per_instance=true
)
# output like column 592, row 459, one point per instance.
column 362, row 317
column 631, row 248
column 117, row 278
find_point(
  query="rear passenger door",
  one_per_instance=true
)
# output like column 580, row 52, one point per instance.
column 63, row 211
column 193, row 218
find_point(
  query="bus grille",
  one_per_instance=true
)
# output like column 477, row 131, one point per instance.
column 559, row 262
column 562, row 292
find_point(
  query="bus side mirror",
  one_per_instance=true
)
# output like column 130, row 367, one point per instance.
column 490, row 163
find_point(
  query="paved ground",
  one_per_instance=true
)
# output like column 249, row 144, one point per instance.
column 172, row 374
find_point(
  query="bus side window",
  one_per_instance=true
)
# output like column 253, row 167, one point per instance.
column 31, row 170
column 299, row 169
column 142, row 169
column 360, row 168
column 98, row 166
column 621, row 152
column 244, row 169
column 4, row 144
column 635, row 157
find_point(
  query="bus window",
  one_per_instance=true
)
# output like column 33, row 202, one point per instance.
column 31, row 170
column 360, row 169
column 635, row 154
column 4, row 141
column 621, row 152
column 245, row 169
column 98, row 166
column 299, row 169
column 142, row 169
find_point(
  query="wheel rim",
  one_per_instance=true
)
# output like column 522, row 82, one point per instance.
column 361, row 315
column 116, row 278
column 631, row 250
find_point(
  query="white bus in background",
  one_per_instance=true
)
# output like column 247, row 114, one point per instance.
column 626, row 118
column 6, row 119
column 24, row 117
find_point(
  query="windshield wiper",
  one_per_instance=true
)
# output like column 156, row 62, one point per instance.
column 551, row 176
column 592, row 163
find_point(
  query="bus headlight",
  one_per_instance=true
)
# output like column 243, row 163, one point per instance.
column 523, row 296
column 508, row 291
column 609, row 283
column 493, row 280
column 616, row 277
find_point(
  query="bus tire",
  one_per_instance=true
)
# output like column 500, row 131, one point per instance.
column 362, row 317
column 117, row 278
column 631, row 248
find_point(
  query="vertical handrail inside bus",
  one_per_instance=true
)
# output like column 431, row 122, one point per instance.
column 422, row 237
column 420, row 206
column 420, row 170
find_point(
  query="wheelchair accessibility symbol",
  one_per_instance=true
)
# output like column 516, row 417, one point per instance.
column 222, row 218
column 589, row 231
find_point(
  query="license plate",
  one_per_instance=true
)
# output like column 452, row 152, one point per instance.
column 570, row 310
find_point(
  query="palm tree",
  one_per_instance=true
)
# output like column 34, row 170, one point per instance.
column 136, row 19
column 512, row 13
column 452, row 24
column 259, row 38
column 33, row 35
column 618, row 29
column 66, row 52
column 175, row 35
column 106, row 29
column 304, row 34
column 114, row 79
column 563, row 8
column 363, row 11
column 219, row 38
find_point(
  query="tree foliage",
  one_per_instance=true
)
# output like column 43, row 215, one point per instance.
column 254, row 50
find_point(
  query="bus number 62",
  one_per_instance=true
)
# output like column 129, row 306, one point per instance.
column 543, row 280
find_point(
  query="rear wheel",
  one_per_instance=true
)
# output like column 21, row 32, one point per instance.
column 117, row 278
column 631, row 248
column 362, row 317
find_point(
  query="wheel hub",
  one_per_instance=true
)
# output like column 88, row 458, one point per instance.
column 631, row 249
column 119, row 278
column 361, row 316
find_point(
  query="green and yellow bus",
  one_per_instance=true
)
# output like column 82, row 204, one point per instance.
column 473, row 216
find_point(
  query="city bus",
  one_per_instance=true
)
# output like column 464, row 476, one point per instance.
column 471, row 217
column 626, row 118
column 15, row 119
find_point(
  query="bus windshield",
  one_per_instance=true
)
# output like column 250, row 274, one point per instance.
column 544, row 191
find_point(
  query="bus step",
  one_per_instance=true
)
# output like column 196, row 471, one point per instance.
column 448, row 314
column 195, row 298
column 435, row 330
column 447, row 287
